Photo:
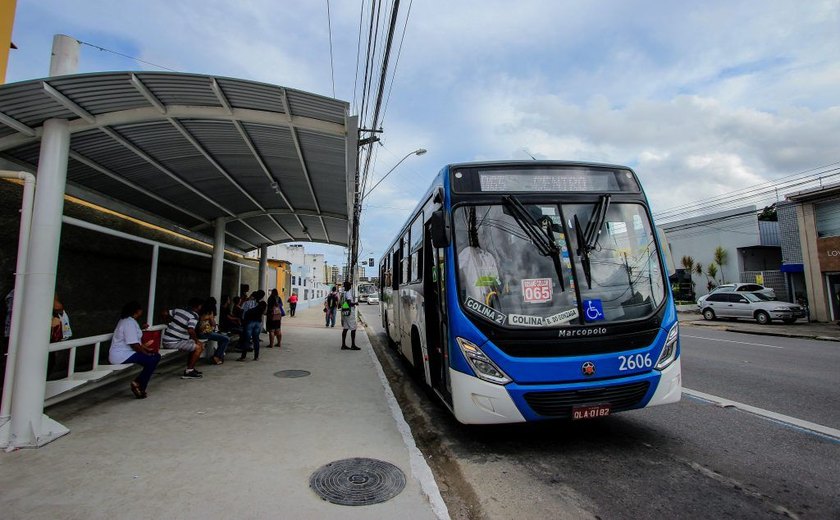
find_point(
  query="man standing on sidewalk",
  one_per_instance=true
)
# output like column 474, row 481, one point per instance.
column 180, row 334
column 330, row 306
column 348, row 317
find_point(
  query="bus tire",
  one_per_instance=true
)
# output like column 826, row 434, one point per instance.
column 417, row 355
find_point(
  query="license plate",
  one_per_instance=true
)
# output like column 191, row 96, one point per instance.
column 590, row 412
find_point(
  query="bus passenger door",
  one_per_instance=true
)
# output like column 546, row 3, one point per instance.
column 434, row 307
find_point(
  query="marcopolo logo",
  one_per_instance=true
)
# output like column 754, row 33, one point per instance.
column 577, row 333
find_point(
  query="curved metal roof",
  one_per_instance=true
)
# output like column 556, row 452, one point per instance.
column 276, row 163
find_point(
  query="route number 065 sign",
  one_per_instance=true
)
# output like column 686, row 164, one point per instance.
column 536, row 290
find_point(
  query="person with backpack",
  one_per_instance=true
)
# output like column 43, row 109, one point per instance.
column 348, row 317
column 274, row 318
column 331, row 306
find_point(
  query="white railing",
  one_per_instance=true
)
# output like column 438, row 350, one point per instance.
column 74, row 344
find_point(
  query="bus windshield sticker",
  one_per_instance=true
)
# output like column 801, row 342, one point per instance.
column 593, row 310
column 536, row 290
column 561, row 318
column 488, row 312
column 522, row 320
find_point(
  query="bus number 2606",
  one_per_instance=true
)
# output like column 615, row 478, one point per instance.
column 634, row 362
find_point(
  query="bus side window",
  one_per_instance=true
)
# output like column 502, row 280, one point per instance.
column 395, row 270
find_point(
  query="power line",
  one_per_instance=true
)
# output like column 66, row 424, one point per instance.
column 782, row 183
column 125, row 56
column 332, row 67
column 397, row 61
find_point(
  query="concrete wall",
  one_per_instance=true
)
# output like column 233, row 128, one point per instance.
column 698, row 237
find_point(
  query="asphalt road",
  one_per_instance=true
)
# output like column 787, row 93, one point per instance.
column 689, row 460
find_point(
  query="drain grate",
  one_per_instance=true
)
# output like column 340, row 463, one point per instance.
column 292, row 373
column 357, row 481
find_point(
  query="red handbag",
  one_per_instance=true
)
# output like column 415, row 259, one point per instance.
column 155, row 336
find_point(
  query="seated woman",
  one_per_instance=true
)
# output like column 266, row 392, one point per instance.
column 127, row 347
column 229, row 321
column 207, row 330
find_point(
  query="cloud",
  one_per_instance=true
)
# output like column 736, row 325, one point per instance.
column 700, row 98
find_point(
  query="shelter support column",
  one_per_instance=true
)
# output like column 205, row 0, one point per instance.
column 263, row 267
column 29, row 427
column 217, row 270
column 150, row 315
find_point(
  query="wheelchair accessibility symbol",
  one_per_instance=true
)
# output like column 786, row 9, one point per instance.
column 593, row 310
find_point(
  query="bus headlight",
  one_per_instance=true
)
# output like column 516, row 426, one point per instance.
column 482, row 365
column 669, row 351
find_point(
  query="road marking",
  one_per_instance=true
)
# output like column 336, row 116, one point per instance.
column 732, row 341
column 784, row 419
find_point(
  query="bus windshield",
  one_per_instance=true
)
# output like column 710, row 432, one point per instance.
column 554, row 265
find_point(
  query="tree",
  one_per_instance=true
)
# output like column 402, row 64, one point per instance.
column 768, row 213
column 720, row 259
column 688, row 265
column 711, row 272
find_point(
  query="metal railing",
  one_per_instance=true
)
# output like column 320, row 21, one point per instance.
column 74, row 344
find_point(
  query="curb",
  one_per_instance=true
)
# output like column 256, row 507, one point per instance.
column 760, row 333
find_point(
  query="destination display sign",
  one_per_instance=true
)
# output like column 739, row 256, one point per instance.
column 488, row 312
column 561, row 318
column 544, row 178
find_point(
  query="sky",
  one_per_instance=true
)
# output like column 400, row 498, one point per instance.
column 700, row 98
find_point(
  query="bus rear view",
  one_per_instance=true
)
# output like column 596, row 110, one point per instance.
column 546, row 292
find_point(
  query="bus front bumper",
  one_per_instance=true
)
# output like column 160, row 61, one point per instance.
column 478, row 402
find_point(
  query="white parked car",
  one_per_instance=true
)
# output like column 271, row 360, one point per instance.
column 767, row 292
column 372, row 299
column 755, row 306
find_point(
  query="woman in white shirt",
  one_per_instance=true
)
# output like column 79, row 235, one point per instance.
column 127, row 347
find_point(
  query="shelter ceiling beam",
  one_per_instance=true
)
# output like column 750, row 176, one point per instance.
column 14, row 124
column 67, row 103
column 150, row 114
column 296, row 140
column 146, row 157
column 146, row 93
column 220, row 95
column 92, row 164
column 110, row 174
column 189, row 137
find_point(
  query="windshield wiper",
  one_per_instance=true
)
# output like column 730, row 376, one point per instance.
column 588, row 239
column 541, row 238
column 596, row 220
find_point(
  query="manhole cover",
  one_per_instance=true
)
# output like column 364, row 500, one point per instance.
column 292, row 373
column 357, row 482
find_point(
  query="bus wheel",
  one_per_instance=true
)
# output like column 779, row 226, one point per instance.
column 417, row 356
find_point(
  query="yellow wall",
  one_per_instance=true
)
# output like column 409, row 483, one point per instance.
column 7, row 21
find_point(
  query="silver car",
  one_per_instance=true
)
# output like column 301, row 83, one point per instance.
column 742, row 288
column 750, row 306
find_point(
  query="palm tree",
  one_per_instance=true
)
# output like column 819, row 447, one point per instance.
column 721, row 258
column 688, row 265
column 711, row 272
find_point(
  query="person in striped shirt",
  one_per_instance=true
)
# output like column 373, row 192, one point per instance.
column 180, row 334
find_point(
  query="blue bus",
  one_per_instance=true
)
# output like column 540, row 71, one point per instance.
column 527, row 291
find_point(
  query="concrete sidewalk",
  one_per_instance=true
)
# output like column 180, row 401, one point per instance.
column 800, row 329
column 239, row 443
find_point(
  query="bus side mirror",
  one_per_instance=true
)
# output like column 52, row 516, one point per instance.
column 439, row 224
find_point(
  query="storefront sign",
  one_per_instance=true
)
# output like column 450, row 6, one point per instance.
column 829, row 253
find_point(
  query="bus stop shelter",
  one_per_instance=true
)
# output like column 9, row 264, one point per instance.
column 250, row 164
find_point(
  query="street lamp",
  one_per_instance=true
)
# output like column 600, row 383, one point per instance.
column 419, row 151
